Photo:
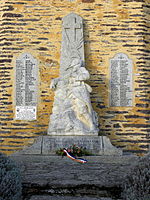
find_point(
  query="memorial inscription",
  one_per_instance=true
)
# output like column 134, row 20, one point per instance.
column 121, row 81
column 26, row 87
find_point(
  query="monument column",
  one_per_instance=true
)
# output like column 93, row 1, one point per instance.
column 72, row 112
column 72, row 44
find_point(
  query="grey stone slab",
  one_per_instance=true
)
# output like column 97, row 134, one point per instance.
column 99, row 145
column 66, row 198
column 108, row 148
column 57, row 172
column 47, row 145
column 54, row 175
column 35, row 148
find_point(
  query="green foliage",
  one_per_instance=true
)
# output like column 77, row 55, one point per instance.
column 10, row 179
column 74, row 151
column 137, row 183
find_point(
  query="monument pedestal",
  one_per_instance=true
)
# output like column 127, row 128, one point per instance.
column 73, row 120
column 47, row 145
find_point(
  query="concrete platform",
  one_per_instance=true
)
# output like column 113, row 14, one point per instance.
column 46, row 197
column 47, row 145
column 53, row 176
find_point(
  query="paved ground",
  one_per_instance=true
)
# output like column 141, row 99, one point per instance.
column 101, row 176
column 66, row 198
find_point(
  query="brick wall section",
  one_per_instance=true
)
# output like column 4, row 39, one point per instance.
column 146, row 65
column 110, row 27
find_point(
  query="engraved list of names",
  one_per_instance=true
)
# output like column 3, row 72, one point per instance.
column 26, row 88
column 121, row 81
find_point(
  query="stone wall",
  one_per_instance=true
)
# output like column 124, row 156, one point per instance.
column 110, row 27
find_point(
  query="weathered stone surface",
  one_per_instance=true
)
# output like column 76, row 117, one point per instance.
column 72, row 112
column 99, row 145
column 47, row 145
column 101, row 176
column 36, row 148
column 65, row 198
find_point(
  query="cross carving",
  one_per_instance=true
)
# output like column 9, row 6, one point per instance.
column 26, row 57
column 72, row 26
column 121, row 56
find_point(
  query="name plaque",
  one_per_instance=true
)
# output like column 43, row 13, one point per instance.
column 26, row 87
column 121, row 81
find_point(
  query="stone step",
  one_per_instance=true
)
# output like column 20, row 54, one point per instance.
column 101, row 176
column 47, row 197
column 47, row 145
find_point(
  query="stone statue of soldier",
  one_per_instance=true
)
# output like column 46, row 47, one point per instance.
column 72, row 109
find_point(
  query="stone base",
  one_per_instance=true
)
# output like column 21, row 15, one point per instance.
column 79, row 133
column 101, row 176
column 47, row 145
column 48, row 197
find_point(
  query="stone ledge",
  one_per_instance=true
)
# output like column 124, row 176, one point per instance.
column 101, row 176
column 47, row 145
column 46, row 197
